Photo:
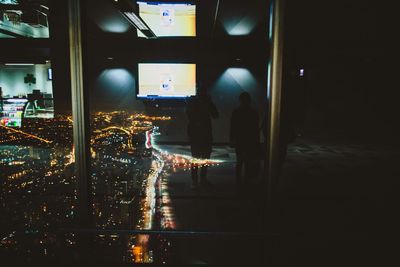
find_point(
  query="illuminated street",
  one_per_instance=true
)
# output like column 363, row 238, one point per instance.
column 130, row 178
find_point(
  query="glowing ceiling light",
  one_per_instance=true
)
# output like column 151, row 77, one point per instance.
column 19, row 64
column 136, row 21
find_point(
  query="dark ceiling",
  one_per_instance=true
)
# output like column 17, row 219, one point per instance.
column 219, row 17
column 240, row 31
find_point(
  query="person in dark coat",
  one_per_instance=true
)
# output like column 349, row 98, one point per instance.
column 245, row 138
column 200, row 110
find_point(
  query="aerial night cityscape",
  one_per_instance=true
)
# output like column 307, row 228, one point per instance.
column 199, row 132
column 129, row 175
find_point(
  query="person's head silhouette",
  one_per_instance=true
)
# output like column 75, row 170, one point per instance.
column 245, row 99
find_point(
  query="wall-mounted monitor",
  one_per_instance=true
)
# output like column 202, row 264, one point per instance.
column 169, row 19
column 166, row 80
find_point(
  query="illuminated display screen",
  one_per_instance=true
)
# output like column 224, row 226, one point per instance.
column 168, row 19
column 12, row 110
column 166, row 80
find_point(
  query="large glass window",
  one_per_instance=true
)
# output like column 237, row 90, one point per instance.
column 161, row 108
column 37, row 178
column 177, row 97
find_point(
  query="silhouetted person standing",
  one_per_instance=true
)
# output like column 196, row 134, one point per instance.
column 200, row 111
column 245, row 137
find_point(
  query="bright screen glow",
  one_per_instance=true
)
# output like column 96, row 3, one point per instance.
column 166, row 80
column 168, row 19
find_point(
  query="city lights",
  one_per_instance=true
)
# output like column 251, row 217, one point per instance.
column 130, row 176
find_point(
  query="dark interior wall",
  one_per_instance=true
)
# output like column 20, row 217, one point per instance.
column 59, row 55
column 341, row 96
column 347, row 50
column 226, row 64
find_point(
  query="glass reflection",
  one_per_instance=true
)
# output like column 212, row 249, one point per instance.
column 21, row 20
column 130, row 178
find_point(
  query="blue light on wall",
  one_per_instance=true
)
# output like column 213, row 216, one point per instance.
column 243, row 77
column 244, row 26
column 234, row 81
column 116, row 80
column 108, row 19
column 116, row 89
column 114, row 25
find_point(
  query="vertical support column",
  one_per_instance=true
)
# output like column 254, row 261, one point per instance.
column 215, row 17
column 80, row 116
column 274, row 94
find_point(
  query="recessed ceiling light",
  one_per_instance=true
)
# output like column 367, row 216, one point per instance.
column 19, row 64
